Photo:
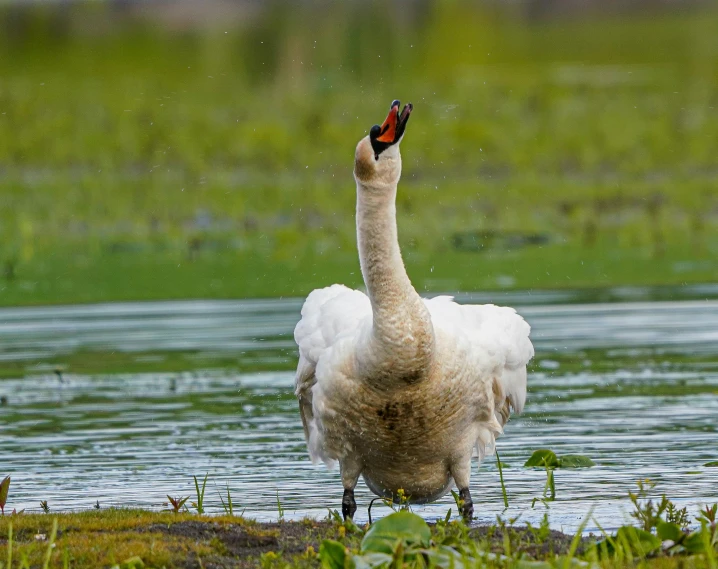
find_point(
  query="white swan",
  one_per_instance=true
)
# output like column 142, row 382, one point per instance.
column 399, row 390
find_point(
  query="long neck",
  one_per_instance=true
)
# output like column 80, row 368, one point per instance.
column 403, row 336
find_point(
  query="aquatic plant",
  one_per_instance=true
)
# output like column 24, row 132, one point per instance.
column 547, row 459
column 404, row 540
column 708, row 515
column 4, row 489
column 664, row 528
column 177, row 503
column 280, row 509
column 397, row 539
column 402, row 500
column 227, row 506
column 199, row 504
column 650, row 514
column 44, row 506
column 499, row 465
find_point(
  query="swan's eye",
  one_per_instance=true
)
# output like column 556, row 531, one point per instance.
column 375, row 131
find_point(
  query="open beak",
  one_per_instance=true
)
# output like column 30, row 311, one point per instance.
column 382, row 137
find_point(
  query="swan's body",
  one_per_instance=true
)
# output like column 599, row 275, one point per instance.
column 400, row 390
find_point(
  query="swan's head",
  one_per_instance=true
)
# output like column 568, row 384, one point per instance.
column 377, row 160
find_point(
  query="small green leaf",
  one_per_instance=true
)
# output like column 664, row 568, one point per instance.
column 670, row 531
column 713, row 463
column 638, row 541
column 458, row 501
column 351, row 527
column 4, row 489
column 694, row 543
column 132, row 563
column 575, row 461
column 445, row 557
column 399, row 527
column 641, row 542
column 543, row 458
column 372, row 561
column 551, row 483
column 332, row 554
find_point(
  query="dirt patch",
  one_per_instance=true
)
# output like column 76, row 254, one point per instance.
column 235, row 540
column 239, row 546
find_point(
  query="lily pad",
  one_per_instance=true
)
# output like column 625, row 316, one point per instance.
column 543, row 458
column 713, row 463
column 399, row 527
column 575, row 461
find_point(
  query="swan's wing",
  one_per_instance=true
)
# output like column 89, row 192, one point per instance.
column 498, row 342
column 329, row 315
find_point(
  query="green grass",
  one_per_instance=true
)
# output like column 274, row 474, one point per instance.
column 144, row 163
column 68, row 276
column 138, row 538
column 103, row 362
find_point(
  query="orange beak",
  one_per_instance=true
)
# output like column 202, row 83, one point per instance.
column 382, row 137
column 388, row 129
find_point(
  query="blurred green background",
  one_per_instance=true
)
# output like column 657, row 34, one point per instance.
column 205, row 150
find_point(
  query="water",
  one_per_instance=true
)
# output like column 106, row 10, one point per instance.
column 633, row 385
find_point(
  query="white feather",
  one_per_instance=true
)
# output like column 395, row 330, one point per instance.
column 328, row 315
column 336, row 319
column 499, row 340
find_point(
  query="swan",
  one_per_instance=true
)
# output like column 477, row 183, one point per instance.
column 397, row 389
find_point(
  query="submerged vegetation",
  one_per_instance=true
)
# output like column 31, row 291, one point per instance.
column 145, row 163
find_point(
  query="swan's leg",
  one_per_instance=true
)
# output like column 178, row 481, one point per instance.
column 467, row 508
column 349, row 505
column 350, row 471
column 461, row 474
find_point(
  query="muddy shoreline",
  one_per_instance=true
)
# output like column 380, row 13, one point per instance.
column 136, row 538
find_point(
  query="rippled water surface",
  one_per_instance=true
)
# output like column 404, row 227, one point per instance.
column 633, row 385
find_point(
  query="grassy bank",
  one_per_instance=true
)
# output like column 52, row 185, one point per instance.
column 133, row 539
column 142, row 162
column 78, row 276
column 663, row 536
column 136, row 538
